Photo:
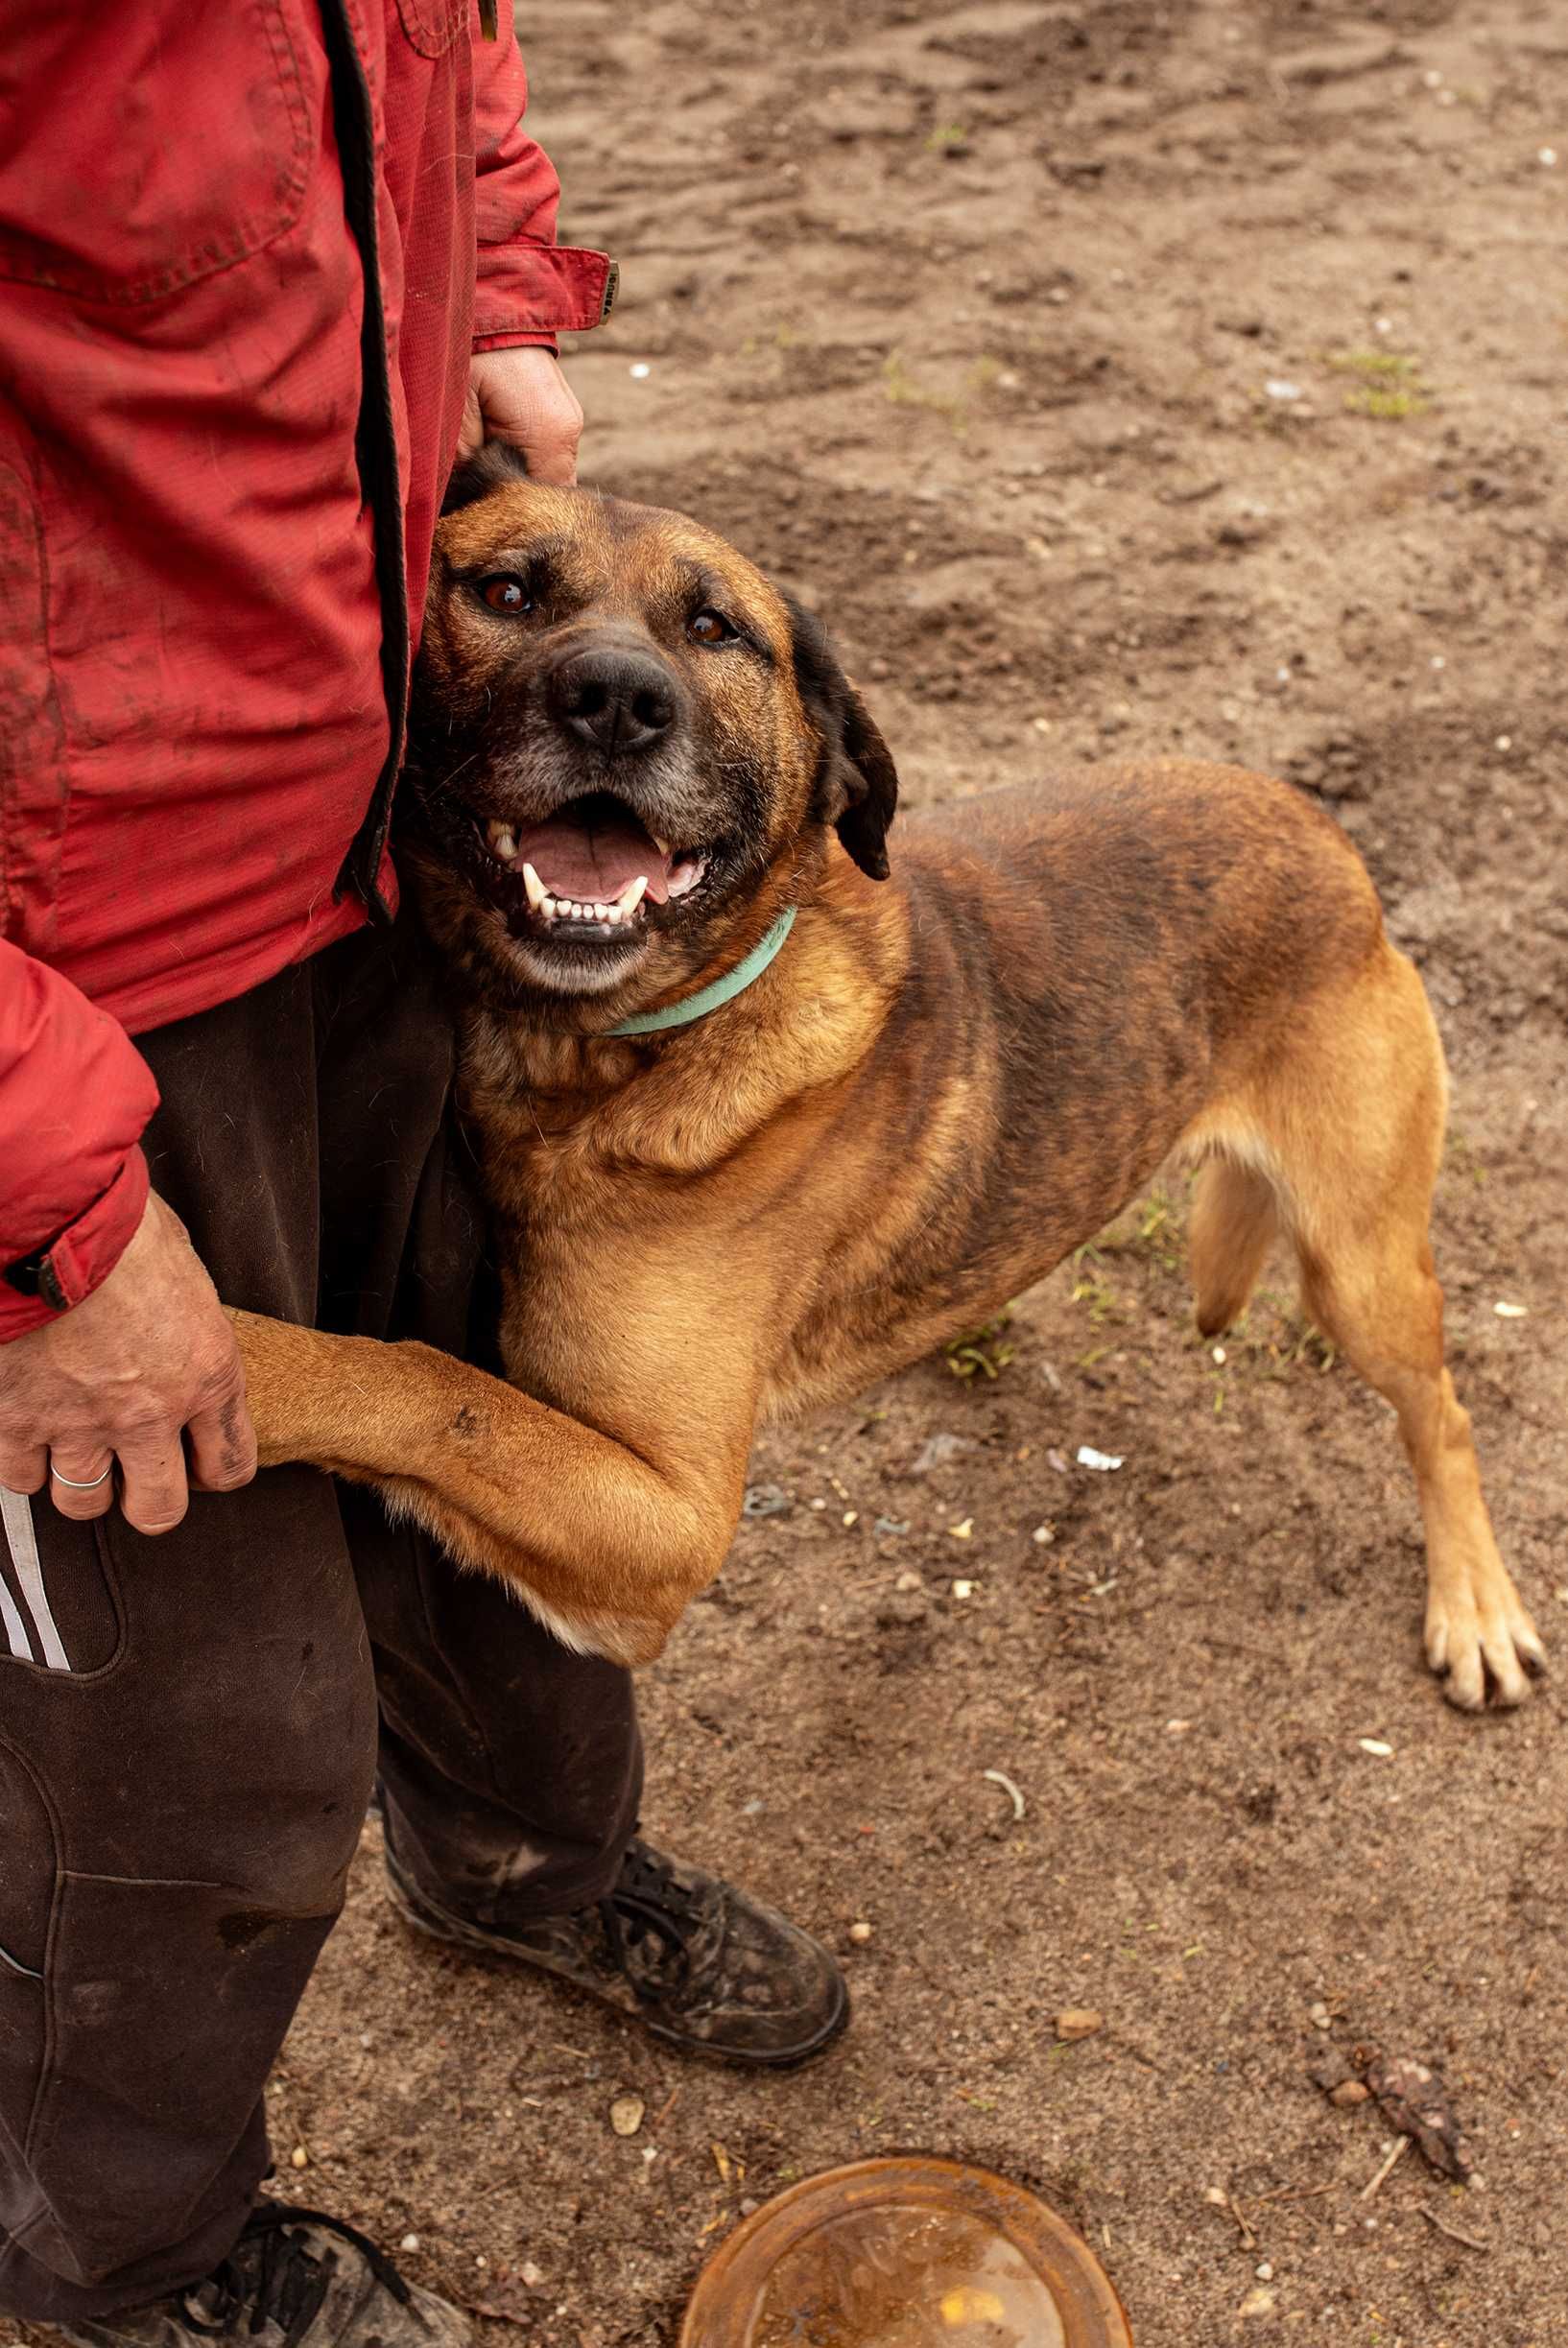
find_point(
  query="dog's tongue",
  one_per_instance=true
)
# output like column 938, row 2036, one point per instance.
column 593, row 858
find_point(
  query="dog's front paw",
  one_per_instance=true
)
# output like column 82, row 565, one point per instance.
column 1480, row 1636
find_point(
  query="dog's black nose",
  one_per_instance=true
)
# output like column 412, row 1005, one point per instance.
column 614, row 698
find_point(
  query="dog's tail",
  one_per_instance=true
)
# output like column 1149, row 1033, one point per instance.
column 1235, row 1216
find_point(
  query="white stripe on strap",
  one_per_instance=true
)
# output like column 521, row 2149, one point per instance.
column 16, row 1511
column 15, row 1636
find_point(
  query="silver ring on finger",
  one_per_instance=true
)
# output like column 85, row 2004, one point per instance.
column 73, row 1484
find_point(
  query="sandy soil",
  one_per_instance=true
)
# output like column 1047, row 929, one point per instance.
column 1117, row 377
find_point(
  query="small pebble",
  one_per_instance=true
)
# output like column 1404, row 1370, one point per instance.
column 1320, row 2017
column 860, row 1933
column 908, row 1581
column 1264, row 2272
column 1217, row 2195
column 530, row 2274
column 626, row 2115
column 1546, row 156
column 1510, row 1311
column 1178, row 1728
column 1348, row 2094
column 409, row 2241
column 300, row 2158
column 1376, row 1747
column 1043, row 1536
column 1259, row 2302
column 964, row 1589
column 963, row 1529
column 640, row 368
column 1504, row 742
column 1077, row 2022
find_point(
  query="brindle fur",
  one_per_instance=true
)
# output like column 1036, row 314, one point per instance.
column 945, row 1083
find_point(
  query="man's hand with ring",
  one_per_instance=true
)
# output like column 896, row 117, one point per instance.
column 143, row 1365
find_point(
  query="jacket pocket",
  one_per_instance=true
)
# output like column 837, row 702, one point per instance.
column 150, row 147
column 435, row 26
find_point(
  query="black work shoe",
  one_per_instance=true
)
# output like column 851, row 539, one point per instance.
column 295, row 2279
column 698, row 1962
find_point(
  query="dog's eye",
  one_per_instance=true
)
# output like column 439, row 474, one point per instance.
column 506, row 594
column 707, row 626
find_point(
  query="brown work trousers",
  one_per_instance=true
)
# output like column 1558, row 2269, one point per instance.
column 190, row 1728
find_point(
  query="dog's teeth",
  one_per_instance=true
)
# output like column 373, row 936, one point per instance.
column 613, row 916
column 503, row 841
column 535, row 888
column 631, row 895
column 662, row 845
column 550, row 909
column 601, row 913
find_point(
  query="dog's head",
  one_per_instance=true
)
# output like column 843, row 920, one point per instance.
column 625, row 743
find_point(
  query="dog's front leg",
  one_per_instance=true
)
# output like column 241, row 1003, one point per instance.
column 605, row 1546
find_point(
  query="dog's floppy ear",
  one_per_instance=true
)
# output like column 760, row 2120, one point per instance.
column 490, row 467
column 856, row 786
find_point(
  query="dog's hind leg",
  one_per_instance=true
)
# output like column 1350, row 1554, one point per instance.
column 1352, row 1114
column 1235, row 1216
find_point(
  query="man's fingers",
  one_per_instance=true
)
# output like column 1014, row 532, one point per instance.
column 24, row 1467
column 552, row 460
column 222, row 1445
column 154, row 1493
column 521, row 395
column 81, row 1481
column 471, row 429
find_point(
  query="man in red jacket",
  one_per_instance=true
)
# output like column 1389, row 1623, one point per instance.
column 267, row 270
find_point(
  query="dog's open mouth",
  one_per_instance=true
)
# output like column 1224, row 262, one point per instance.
column 591, row 865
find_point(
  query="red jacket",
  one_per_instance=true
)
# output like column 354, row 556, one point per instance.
column 215, row 223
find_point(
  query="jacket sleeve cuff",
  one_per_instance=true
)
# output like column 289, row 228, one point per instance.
column 529, row 291
column 78, row 1259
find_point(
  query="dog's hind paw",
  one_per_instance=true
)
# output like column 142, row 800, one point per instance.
column 1481, row 1639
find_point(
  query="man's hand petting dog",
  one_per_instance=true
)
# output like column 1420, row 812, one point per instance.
column 141, row 1369
column 521, row 397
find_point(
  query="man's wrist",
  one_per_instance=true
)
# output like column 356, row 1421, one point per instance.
column 64, row 1271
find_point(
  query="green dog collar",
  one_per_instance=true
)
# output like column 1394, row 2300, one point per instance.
column 723, row 990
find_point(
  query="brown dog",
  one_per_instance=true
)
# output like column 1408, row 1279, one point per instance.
column 941, row 1084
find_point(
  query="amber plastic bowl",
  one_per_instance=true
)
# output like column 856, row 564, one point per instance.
column 915, row 2253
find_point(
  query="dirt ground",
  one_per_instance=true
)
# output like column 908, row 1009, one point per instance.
column 1117, row 377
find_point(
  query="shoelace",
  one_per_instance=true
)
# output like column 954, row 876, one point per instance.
column 286, row 2285
column 646, row 1899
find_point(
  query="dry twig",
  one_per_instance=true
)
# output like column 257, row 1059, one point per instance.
column 1401, row 2147
column 1454, row 2234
